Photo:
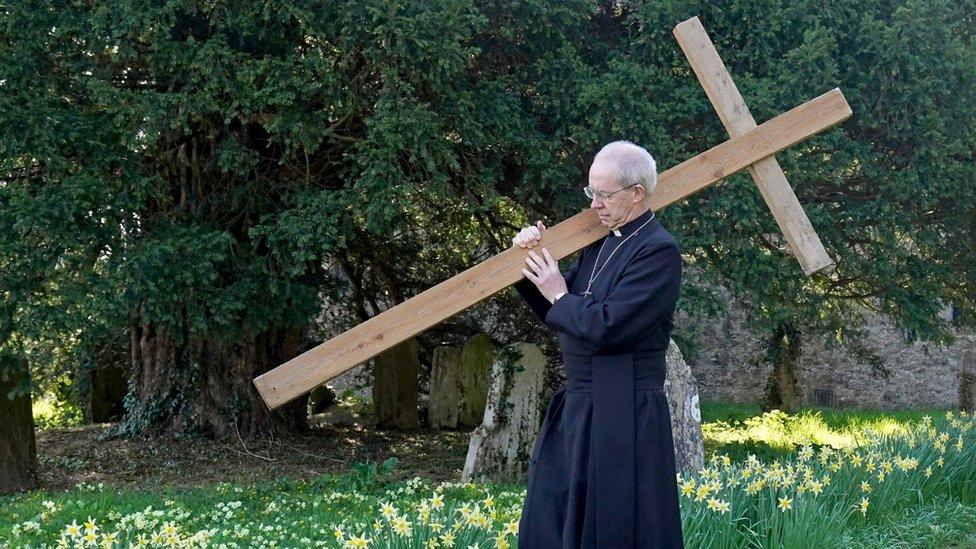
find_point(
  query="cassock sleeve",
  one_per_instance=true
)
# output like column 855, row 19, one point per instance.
column 539, row 304
column 646, row 291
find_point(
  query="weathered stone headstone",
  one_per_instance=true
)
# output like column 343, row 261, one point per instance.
column 501, row 446
column 395, row 386
column 476, row 362
column 967, row 381
column 320, row 399
column 442, row 408
column 682, row 391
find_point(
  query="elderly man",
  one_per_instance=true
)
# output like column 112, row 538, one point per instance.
column 602, row 472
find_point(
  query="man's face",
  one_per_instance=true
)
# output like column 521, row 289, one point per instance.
column 613, row 211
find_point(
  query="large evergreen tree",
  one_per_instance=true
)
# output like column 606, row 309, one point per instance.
column 200, row 175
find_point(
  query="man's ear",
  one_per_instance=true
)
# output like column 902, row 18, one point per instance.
column 639, row 193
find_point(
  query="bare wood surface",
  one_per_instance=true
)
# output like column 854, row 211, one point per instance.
column 769, row 177
column 357, row 345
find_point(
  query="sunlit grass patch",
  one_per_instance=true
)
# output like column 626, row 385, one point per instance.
column 739, row 430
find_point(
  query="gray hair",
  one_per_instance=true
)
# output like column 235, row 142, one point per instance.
column 634, row 165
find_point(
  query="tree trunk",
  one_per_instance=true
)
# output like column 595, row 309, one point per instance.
column 783, row 351
column 18, row 449
column 203, row 384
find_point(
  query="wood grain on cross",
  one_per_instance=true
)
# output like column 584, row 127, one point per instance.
column 751, row 147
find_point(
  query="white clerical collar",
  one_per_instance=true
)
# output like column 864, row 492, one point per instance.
column 634, row 224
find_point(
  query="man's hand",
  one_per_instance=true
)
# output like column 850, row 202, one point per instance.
column 529, row 236
column 545, row 274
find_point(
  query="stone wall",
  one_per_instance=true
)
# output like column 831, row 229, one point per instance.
column 730, row 367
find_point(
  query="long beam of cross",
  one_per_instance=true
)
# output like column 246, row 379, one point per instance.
column 428, row 308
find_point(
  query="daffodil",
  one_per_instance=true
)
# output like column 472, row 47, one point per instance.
column 357, row 542
column 388, row 511
column 401, row 526
column 108, row 540
column 437, row 502
column 785, row 503
column 72, row 530
column 702, row 492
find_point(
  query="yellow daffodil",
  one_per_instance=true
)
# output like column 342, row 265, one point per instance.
column 108, row 540
column 388, row 511
column 864, row 506
column 357, row 542
column 785, row 504
column 702, row 492
column 437, row 502
column 401, row 526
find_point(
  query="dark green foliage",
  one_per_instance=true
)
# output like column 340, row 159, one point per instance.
column 367, row 475
column 209, row 170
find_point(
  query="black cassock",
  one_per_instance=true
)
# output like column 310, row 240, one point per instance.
column 602, row 472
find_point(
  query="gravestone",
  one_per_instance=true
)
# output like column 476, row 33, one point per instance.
column 476, row 362
column 320, row 399
column 967, row 381
column 682, row 391
column 442, row 410
column 395, row 386
column 501, row 446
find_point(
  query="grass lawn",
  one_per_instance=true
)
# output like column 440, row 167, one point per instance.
column 819, row 478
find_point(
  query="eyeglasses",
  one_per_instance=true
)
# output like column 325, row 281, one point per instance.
column 603, row 196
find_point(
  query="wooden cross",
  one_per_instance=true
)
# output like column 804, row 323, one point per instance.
column 751, row 147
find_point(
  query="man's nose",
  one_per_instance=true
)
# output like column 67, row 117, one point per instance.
column 595, row 203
